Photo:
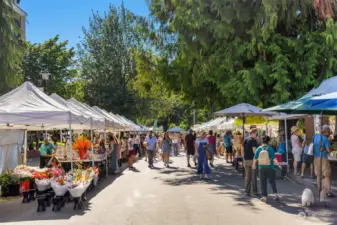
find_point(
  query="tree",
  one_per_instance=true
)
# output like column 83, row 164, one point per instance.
column 10, row 49
column 54, row 58
column 226, row 52
column 106, row 56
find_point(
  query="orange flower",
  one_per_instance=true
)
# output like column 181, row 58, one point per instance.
column 82, row 143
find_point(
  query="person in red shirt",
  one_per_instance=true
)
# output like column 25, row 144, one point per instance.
column 212, row 147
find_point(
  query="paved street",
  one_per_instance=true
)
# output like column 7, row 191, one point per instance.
column 173, row 196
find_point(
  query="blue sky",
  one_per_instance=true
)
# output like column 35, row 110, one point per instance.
column 46, row 18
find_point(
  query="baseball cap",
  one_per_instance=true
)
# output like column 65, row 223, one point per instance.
column 326, row 127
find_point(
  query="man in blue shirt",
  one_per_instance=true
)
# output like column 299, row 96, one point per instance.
column 227, row 139
column 323, row 141
column 151, row 142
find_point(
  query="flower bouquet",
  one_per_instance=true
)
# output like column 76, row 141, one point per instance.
column 82, row 145
column 55, row 172
column 59, row 186
column 40, row 175
column 43, row 184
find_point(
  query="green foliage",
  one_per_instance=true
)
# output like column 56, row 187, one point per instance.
column 7, row 179
column 224, row 52
column 53, row 57
column 10, row 48
column 106, row 56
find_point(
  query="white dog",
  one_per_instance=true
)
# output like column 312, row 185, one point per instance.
column 308, row 198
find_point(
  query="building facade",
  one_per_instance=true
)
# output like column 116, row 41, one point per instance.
column 21, row 18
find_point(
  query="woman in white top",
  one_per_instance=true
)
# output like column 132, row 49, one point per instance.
column 132, row 152
column 296, row 148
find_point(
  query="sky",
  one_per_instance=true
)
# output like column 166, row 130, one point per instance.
column 47, row 18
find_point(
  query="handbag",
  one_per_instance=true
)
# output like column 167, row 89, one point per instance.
column 311, row 147
column 209, row 154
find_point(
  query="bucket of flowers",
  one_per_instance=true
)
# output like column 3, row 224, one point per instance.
column 60, row 186
column 24, row 176
column 42, row 180
column 82, row 145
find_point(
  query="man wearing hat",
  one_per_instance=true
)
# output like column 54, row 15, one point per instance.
column 190, row 148
column 296, row 148
column 322, row 140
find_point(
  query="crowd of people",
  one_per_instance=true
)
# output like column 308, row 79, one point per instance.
column 256, row 151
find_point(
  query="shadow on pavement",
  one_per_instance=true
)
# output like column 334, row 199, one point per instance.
column 225, row 180
column 15, row 211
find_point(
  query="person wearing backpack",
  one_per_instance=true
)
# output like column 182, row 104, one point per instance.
column 265, row 156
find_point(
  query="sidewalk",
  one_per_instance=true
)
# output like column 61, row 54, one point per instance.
column 312, row 182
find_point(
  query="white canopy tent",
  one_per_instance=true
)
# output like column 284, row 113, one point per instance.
column 99, row 122
column 28, row 106
column 89, row 122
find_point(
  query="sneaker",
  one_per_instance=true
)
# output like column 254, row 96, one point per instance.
column 330, row 195
column 263, row 199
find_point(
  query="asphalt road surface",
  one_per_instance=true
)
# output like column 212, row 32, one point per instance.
column 167, row 196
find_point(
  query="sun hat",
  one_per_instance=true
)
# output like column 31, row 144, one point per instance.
column 294, row 129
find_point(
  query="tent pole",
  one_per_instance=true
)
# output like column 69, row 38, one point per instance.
column 71, row 141
column 106, row 155
column 25, row 148
column 92, row 144
column 61, row 139
column 286, row 137
column 320, row 158
column 243, row 124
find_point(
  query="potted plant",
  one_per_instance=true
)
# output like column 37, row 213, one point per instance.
column 9, row 184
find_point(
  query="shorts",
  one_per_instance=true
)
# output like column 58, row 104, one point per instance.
column 326, row 168
column 212, row 149
column 132, row 152
column 307, row 159
column 229, row 149
column 297, row 156
column 190, row 151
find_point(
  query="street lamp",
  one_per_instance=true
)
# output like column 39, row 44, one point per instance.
column 45, row 78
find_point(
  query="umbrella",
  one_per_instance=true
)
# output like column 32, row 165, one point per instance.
column 243, row 110
column 175, row 130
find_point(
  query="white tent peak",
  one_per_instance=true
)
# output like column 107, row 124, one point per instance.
column 27, row 96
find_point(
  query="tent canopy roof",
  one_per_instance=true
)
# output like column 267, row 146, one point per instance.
column 27, row 105
column 242, row 110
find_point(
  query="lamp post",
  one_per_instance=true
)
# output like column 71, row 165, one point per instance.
column 45, row 78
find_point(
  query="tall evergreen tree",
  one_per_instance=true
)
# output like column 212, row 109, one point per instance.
column 10, row 49
column 106, row 56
